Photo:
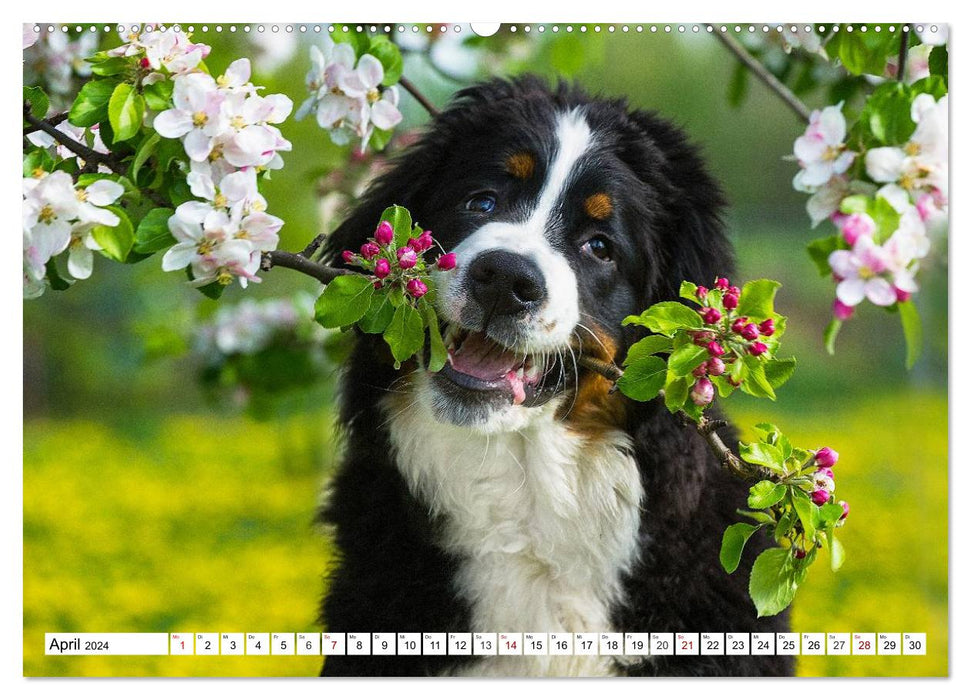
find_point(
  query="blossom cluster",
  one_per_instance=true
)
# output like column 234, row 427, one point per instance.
column 59, row 215
column 55, row 60
column 347, row 99
column 401, row 267
column 727, row 336
column 228, row 133
column 909, row 182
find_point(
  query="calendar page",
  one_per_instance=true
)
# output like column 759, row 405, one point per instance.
column 485, row 350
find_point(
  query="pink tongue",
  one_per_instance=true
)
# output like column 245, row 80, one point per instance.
column 481, row 358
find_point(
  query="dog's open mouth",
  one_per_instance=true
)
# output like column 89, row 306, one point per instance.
column 478, row 363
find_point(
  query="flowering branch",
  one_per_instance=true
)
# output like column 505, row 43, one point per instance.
column 53, row 120
column 418, row 95
column 773, row 83
column 902, row 54
column 301, row 263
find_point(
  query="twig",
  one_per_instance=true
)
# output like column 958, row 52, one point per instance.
column 53, row 120
column 418, row 95
column 902, row 53
column 297, row 261
column 763, row 74
column 89, row 154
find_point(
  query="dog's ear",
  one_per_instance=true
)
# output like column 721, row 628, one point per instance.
column 408, row 175
column 688, row 228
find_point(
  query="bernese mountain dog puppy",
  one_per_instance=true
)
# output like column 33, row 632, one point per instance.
column 514, row 491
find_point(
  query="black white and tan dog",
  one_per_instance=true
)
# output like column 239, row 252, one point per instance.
column 514, row 491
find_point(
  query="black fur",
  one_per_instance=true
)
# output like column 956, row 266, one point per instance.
column 392, row 576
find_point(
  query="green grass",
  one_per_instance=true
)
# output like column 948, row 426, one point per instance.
column 194, row 523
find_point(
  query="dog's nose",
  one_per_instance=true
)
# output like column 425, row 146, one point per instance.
column 505, row 283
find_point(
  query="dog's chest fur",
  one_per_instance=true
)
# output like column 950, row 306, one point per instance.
column 544, row 519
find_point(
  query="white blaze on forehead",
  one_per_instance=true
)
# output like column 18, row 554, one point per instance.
column 553, row 325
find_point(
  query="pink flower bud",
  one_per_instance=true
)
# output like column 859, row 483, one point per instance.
column 901, row 294
column 730, row 301
column 384, row 234
column 820, row 497
column 824, row 471
column 716, row 367
column 702, row 338
column 702, row 392
column 749, row 331
column 701, row 293
column 767, row 327
column 799, row 553
column 842, row 311
column 407, row 258
column 377, row 284
column 715, row 349
column 739, row 323
column 425, row 241
column 701, row 370
column 734, row 290
column 722, row 283
column 846, row 509
column 348, row 256
column 145, row 63
column 856, row 225
column 826, row 457
column 757, row 348
column 382, row 268
column 416, row 288
column 369, row 250
column 447, row 261
column 711, row 315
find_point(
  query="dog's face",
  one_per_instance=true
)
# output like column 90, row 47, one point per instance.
column 567, row 214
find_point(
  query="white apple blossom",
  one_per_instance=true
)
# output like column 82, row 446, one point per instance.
column 197, row 115
column 860, row 272
column 821, row 151
column 55, row 59
column 208, row 246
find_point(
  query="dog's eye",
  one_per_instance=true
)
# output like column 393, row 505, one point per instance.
column 482, row 203
column 598, row 247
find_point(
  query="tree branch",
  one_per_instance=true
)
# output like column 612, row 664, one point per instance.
column 418, row 95
column 53, row 120
column 298, row 262
column 763, row 74
column 89, row 154
column 902, row 53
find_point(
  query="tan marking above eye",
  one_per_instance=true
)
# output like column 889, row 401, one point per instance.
column 598, row 206
column 521, row 165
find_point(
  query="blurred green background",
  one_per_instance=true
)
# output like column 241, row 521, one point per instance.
column 150, row 507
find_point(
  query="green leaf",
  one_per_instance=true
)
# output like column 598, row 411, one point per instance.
column 779, row 371
column 40, row 158
column 153, row 234
column 378, row 316
column 675, row 393
column 405, row 334
column 438, row 354
column 725, row 388
column 647, row 346
column 885, row 217
column 820, row 250
column 837, row 555
column 937, row 64
column 688, row 290
column 757, row 299
column 145, row 150
column 39, row 103
column 389, row 55
column 913, row 332
column 765, row 494
column 862, row 52
column 380, row 138
column 756, row 515
column 667, row 318
column 686, row 358
column 126, row 109
column 116, row 241
column 738, row 85
column 733, row 542
column 344, row 301
column 757, row 384
column 400, row 220
column 91, row 104
column 111, row 66
column 887, row 113
column 854, row 204
column 57, row 282
column 772, row 585
column 359, row 41
column 829, row 336
column 807, row 511
column 785, row 524
column 762, row 454
column 829, row 515
column 158, row 96
column 643, row 378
